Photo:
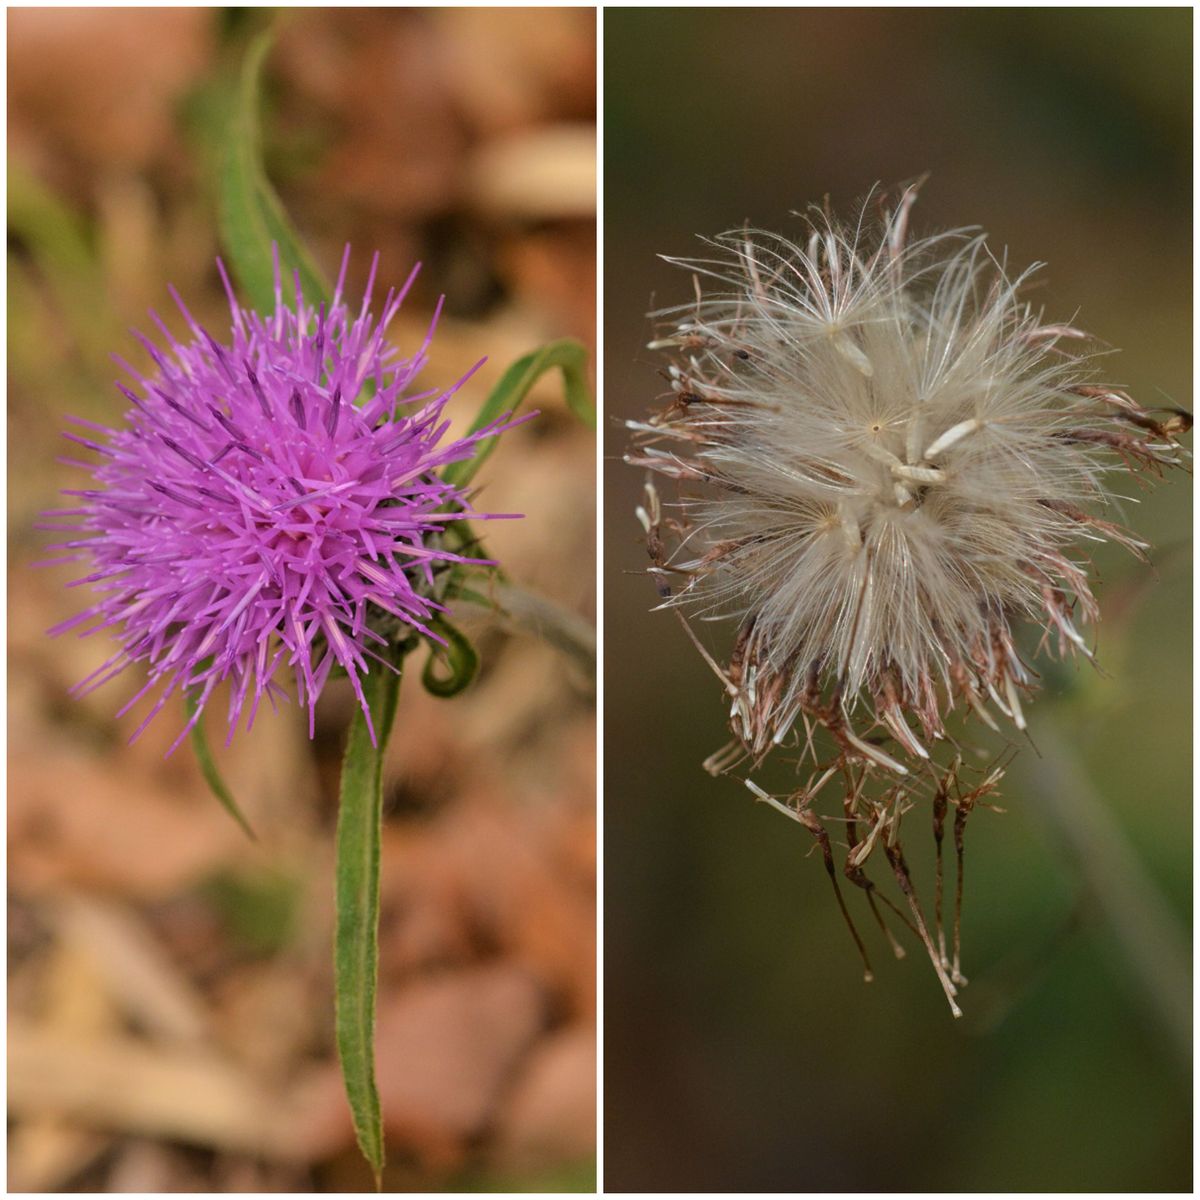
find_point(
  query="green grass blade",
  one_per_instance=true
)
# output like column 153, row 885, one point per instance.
column 252, row 219
column 570, row 357
column 212, row 776
column 356, row 940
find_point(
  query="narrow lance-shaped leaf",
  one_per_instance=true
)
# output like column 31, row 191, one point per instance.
column 212, row 776
column 356, row 945
column 252, row 217
column 459, row 656
column 569, row 356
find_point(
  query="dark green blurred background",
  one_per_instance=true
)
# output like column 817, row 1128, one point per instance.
column 742, row 1050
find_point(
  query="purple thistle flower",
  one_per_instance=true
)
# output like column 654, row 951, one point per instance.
column 269, row 504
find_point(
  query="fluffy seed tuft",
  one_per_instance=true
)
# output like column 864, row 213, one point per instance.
column 887, row 459
column 886, row 462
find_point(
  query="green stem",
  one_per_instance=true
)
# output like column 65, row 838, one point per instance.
column 537, row 616
column 356, row 940
column 1145, row 932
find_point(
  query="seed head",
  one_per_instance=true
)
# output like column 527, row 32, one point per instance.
column 887, row 459
column 271, row 502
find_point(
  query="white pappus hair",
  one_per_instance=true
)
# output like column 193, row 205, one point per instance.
column 885, row 460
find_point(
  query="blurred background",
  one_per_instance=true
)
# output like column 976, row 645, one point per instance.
column 170, row 988
column 742, row 1050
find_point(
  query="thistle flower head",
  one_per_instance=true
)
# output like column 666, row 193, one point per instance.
column 887, row 459
column 270, row 505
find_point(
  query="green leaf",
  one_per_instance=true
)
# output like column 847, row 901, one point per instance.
column 459, row 655
column 212, row 776
column 458, row 590
column 570, row 357
column 356, row 940
column 252, row 218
